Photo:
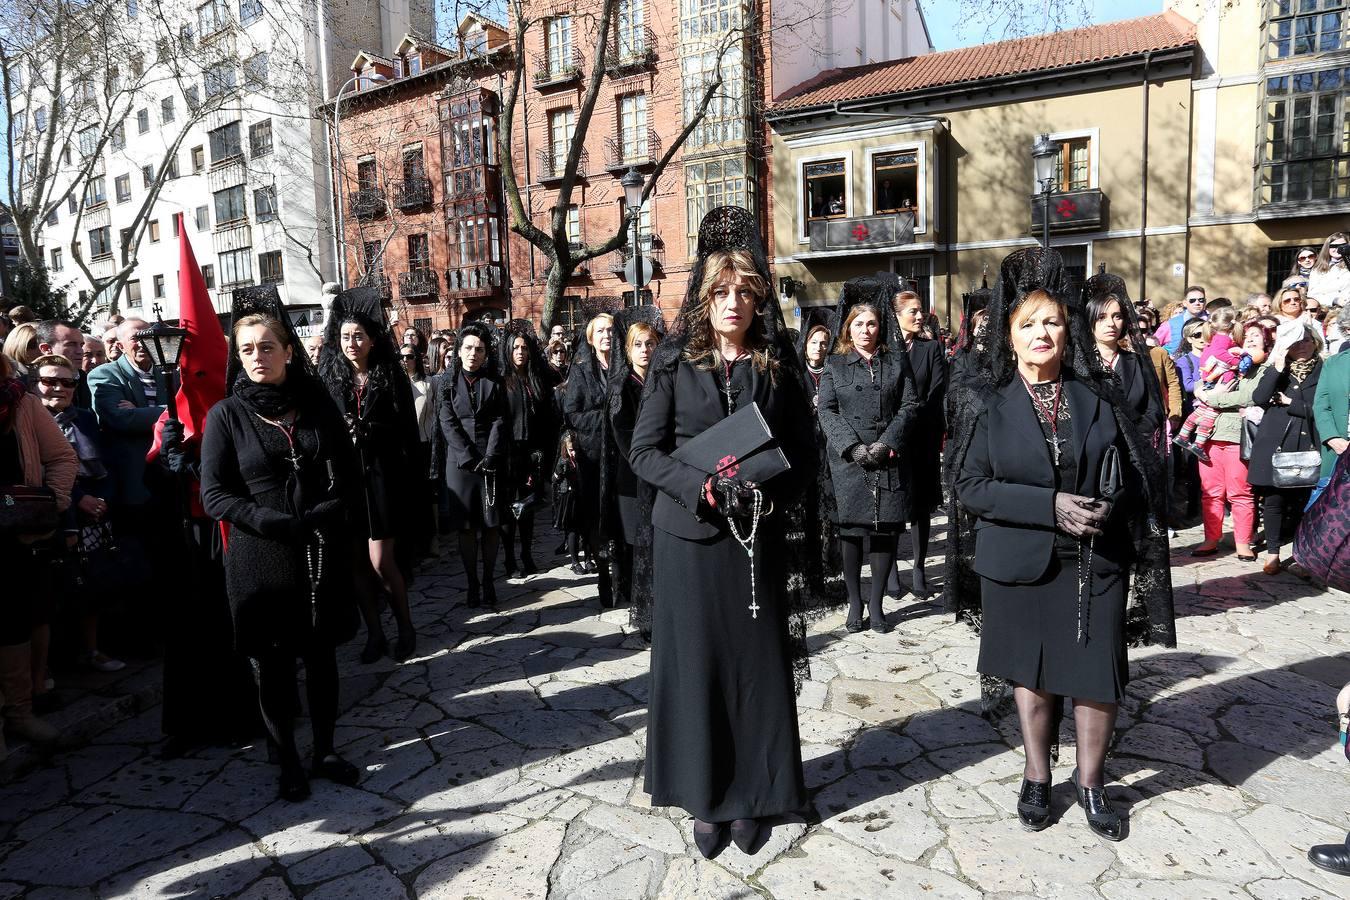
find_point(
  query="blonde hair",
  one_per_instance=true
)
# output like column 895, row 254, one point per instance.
column 701, row 350
column 590, row 326
column 1220, row 321
column 272, row 324
column 1033, row 301
column 55, row 360
column 635, row 333
column 16, row 344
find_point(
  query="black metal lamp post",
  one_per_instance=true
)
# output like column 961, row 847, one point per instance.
column 165, row 343
column 1043, row 154
column 632, row 198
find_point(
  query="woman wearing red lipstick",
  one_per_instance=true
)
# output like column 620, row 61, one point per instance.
column 1063, row 481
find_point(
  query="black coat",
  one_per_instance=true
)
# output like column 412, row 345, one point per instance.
column 530, row 424
column 1288, row 428
column 388, row 449
column 928, row 362
column 585, row 409
column 857, row 408
column 247, row 480
column 1140, row 388
column 624, row 481
column 472, row 429
column 1013, row 493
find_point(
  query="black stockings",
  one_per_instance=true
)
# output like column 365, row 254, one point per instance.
column 468, row 552
column 274, row 673
column 882, row 559
column 1094, row 724
column 524, row 529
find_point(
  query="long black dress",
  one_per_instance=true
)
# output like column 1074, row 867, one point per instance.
column 928, row 364
column 722, row 738
column 585, row 409
column 1046, row 625
column 473, row 427
column 388, row 448
column 624, row 482
column 529, row 422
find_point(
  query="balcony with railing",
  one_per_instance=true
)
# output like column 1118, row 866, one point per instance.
column 640, row 154
column 418, row 283
column 474, row 281
column 653, row 250
column 235, row 235
column 556, row 69
column 552, row 164
column 1070, row 211
column 412, row 192
column 367, row 203
column 630, row 51
column 96, row 215
column 383, row 287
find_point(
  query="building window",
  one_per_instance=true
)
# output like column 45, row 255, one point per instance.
column 147, row 176
column 100, row 242
column 250, row 11
column 122, row 185
column 633, row 127
column 558, row 44
column 265, row 203
column 562, row 124
column 260, row 138
column 644, row 223
column 137, row 65
column 255, row 70
column 574, row 225
column 569, row 314
column 142, row 121
column 119, row 136
column 419, row 252
column 476, row 241
column 374, row 259
column 133, row 294
column 219, row 79
column 174, row 220
column 124, row 241
column 366, row 177
column 198, row 159
column 230, row 205
column 824, row 191
column 88, row 139
column 52, row 217
column 1073, row 166
column 171, row 168
column 224, row 143
column 72, row 205
column 725, row 117
column 166, row 110
column 133, row 10
column 193, row 98
column 209, row 275
column 269, row 267
column 58, row 261
column 202, row 218
column 1301, row 27
column 708, row 185
column 154, row 231
column 1075, row 258
column 895, row 181
column 212, row 16
column 414, row 164
column 916, row 273
column 236, row 267
column 158, row 282
column 632, row 36
column 708, row 18
column 96, row 192
column 414, row 64
column 1304, row 153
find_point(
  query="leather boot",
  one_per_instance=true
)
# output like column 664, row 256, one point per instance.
column 16, row 684
column 1331, row 857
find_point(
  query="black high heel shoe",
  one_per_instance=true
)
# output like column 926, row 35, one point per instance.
column 744, row 832
column 919, row 585
column 1033, row 805
column 709, row 843
column 1104, row 821
column 853, row 626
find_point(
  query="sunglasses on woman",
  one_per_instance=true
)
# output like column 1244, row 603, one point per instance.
column 52, row 381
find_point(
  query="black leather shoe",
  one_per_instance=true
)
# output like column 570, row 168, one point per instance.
column 1331, row 858
column 334, row 768
column 578, row 568
column 881, row 626
column 744, row 832
column 1033, row 805
column 853, row 626
column 1101, row 818
column 709, row 843
column 376, row 646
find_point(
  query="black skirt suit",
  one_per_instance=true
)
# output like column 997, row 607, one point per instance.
column 929, row 365
column 473, row 427
column 861, row 404
column 1029, row 572
column 722, row 739
column 247, row 480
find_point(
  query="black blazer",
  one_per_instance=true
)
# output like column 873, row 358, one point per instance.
column 1008, row 482
column 685, row 402
column 472, row 431
column 1287, row 428
column 1140, row 388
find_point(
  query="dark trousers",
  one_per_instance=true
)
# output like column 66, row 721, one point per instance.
column 1283, row 510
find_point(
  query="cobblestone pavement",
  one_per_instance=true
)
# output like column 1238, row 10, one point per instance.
column 506, row 762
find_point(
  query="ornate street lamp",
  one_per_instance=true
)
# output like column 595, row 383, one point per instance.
column 632, row 197
column 1043, row 155
column 165, row 343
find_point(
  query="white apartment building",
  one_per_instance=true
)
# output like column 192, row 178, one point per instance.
column 243, row 146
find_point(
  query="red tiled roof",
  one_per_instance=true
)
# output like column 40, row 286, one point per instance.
column 1074, row 47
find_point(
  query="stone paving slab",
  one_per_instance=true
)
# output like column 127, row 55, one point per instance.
column 505, row 761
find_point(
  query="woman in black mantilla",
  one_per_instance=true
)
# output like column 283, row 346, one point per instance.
column 818, row 513
column 278, row 467
column 585, row 409
column 1061, row 530
column 637, row 331
column 722, row 737
column 928, row 363
column 359, row 365
column 473, row 430
column 528, row 385
column 867, row 404
column 1120, row 347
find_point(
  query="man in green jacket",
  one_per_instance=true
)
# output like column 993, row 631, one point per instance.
column 1331, row 412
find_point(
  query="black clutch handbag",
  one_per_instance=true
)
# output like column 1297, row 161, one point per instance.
column 740, row 446
column 564, row 506
column 27, row 511
column 1247, row 438
column 1108, row 479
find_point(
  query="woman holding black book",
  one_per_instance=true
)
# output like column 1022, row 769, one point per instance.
column 722, row 737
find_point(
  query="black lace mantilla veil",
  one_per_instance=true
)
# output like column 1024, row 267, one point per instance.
column 1149, row 617
column 728, row 228
column 819, row 509
column 263, row 300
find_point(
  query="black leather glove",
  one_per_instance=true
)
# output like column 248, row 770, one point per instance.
column 878, row 454
column 536, row 459
column 484, row 467
column 858, row 454
column 734, row 497
column 1079, row 516
column 171, row 449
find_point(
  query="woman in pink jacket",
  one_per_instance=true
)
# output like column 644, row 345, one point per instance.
column 33, row 453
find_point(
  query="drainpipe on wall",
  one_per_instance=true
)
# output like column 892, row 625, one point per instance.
column 1143, row 192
